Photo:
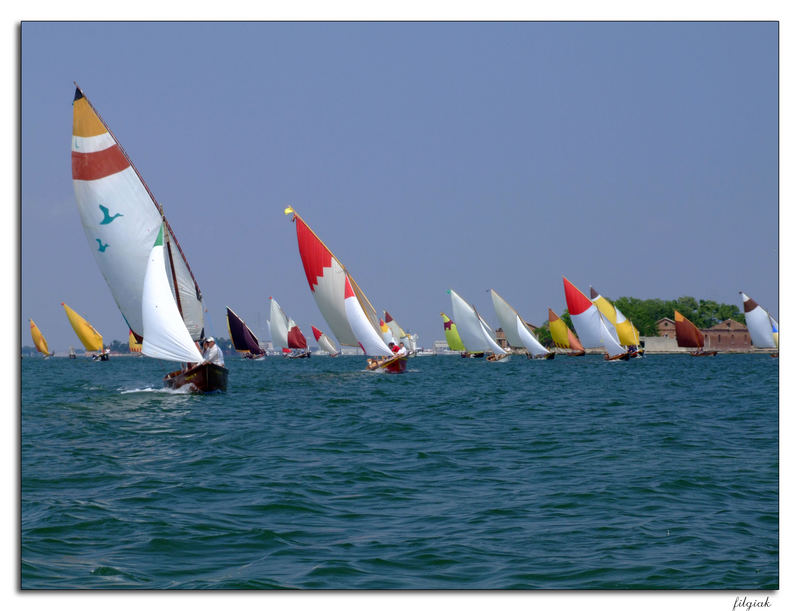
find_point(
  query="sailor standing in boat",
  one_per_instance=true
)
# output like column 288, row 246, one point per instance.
column 212, row 353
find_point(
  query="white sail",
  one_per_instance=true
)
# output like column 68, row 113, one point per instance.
column 165, row 334
column 368, row 338
column 121, row 220
column 593, row 333
column 326, row 344
column 475, row 334
column 278, row 325
column 759, row 324
column 517, row 333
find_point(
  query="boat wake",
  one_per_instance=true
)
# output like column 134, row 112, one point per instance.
column 183, row 390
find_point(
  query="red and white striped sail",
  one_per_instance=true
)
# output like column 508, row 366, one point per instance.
column 588, row 321
column 368, row 338
column 324, row 341
column 121, row 220
column 326, row 278
column 517, row 332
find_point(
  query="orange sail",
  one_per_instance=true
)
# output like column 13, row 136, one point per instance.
column 686, row 333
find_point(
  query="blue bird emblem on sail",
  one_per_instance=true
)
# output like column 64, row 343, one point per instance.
column 107, row 218
column 100, row 246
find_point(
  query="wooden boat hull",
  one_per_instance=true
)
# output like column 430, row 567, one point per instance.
column 472, row 355
column 625, row 356
column 396, row 364
column 774, row 355
column 704, row 353
column 205, row 377
column 581, row 353
column 545, row 357
column 302, row 355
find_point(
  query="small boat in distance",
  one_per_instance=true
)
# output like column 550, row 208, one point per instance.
column 285, row 333
column 689, row 336
column 243, row 339
column 39, row 341
column 92, row 340
column 588, row 322
column 562, row 335
column 454, row 342
column 324, row 342
column 349, row 314
column 518, row 332
column 762, row 326
column 475, row 333
column 617, row 323
column 72, row 354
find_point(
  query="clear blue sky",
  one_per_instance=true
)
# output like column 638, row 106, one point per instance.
column 640, row 158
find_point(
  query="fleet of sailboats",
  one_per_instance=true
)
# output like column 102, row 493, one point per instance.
column 157, row 294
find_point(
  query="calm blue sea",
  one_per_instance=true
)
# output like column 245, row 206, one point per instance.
column 569, row 474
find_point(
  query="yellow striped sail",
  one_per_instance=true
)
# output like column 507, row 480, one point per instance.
column 133, row 345
column 89, row 337
column 560, row 333
column 38, row 339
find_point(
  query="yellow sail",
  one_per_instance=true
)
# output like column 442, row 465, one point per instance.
column 38, row 339
column 90, row 338
column 133, row 345
column 628, row 334
column 451, row 334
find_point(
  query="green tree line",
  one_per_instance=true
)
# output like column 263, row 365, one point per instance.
column 644, row 313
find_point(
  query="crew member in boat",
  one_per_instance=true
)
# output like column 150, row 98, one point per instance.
column 212, row 353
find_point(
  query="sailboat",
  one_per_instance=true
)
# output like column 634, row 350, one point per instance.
column 243, row 339
column 122, row 220
column 92, row 341
column 588, row 322
column 626, row 334
column 38, row 340
column 134, row 346
column 410, row 340
column 762, row 326
column 343, row 304
column 451, row 335
column 562, row 335
column 518, row 332
column 286, row 333
column 165, row 333
column 689, row 336
column 475, row 333
column 324, row 342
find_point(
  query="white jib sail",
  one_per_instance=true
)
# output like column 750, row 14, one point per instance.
column 516, row 331
column 368, row 338
column 278, row 325
column 165, row 334
column 488, row 334
column 474, row 335
column 593, row 333
column 760, row 326
column 326, row 344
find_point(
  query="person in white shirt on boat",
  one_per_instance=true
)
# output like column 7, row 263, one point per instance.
column 212, row 353
column 403, row 350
